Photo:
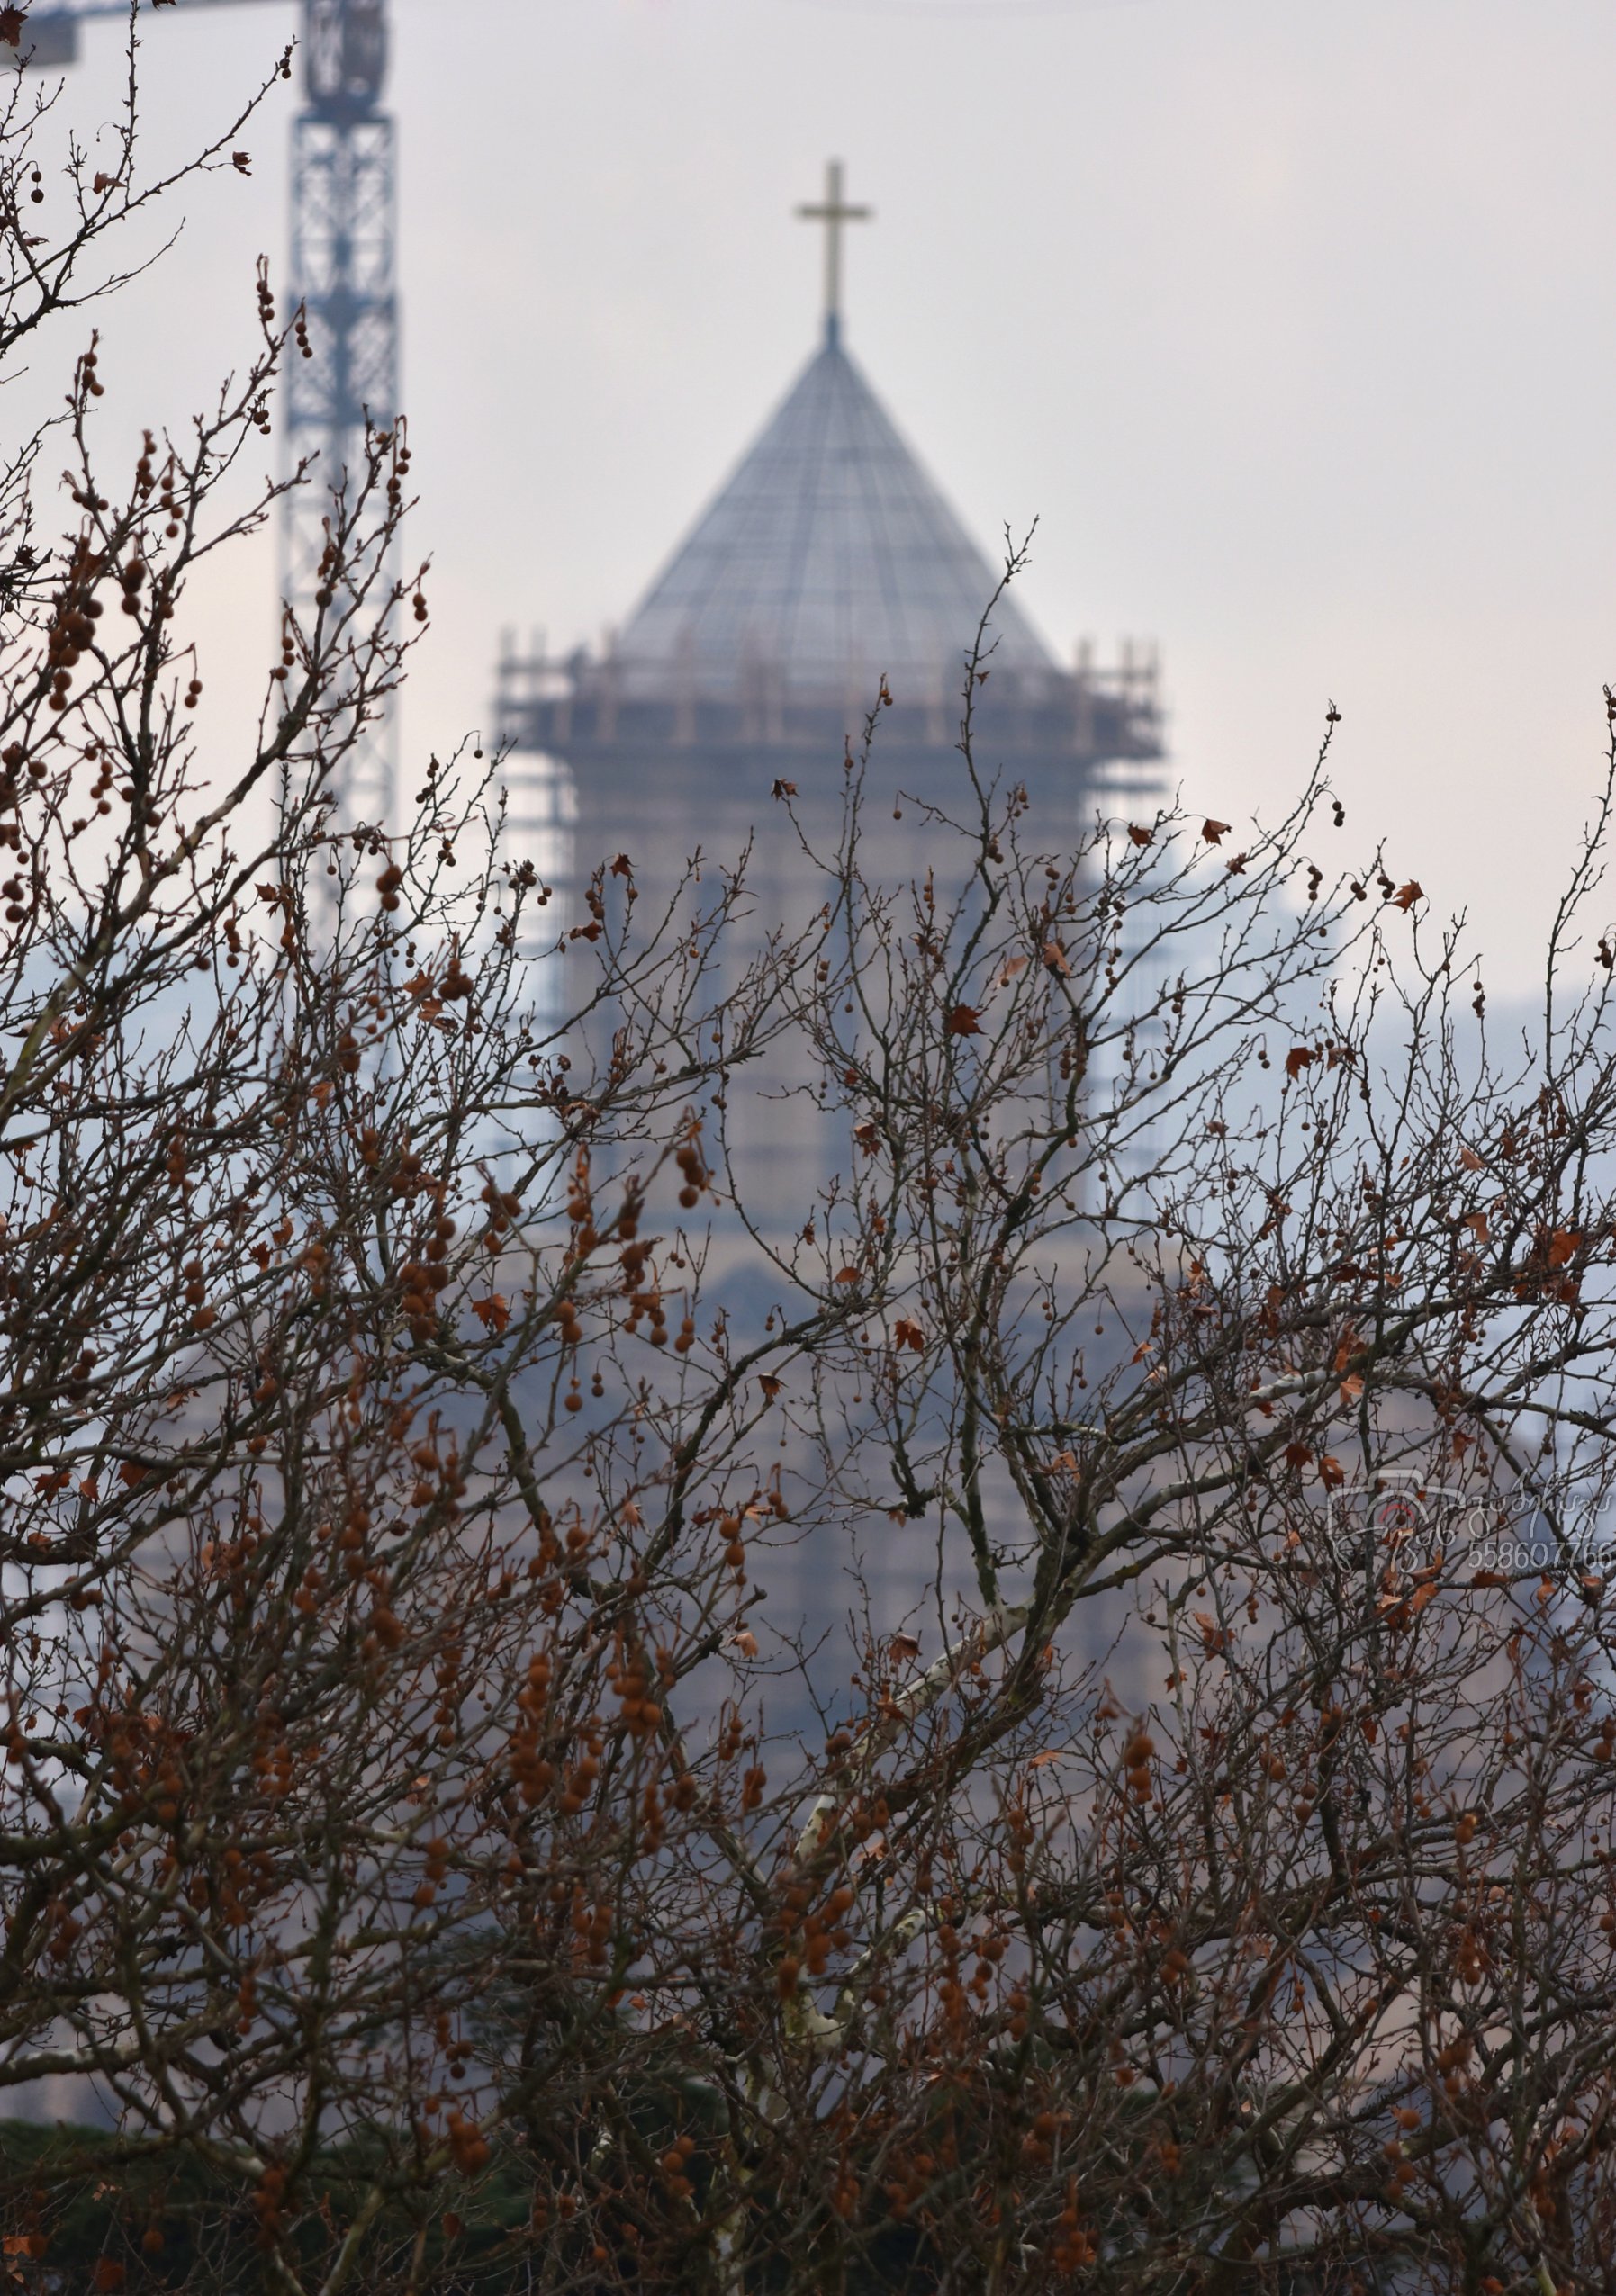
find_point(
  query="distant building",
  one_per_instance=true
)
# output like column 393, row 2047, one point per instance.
column 827, row 563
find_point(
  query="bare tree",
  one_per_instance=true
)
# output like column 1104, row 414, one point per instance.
column 1156, row 1832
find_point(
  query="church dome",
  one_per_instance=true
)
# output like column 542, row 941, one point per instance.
column 829, row 558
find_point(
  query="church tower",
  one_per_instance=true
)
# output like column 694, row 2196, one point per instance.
column 826, row 565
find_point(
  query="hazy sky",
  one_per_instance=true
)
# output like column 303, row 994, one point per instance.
column 1295, row 326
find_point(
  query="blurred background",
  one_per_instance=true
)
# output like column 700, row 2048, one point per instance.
column 1293, row 328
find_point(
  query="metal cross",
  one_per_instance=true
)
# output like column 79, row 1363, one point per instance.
column 833, row 212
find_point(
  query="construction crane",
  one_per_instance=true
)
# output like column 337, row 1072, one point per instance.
column 343, row 246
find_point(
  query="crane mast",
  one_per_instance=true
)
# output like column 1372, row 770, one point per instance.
column 343, row 258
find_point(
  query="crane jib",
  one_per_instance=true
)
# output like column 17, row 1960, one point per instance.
column 344, row 42
column 52, row 33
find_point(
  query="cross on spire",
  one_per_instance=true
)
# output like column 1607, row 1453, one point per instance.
column 833, row 212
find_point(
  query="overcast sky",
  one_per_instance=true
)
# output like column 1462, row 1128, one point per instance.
column 1294, row 325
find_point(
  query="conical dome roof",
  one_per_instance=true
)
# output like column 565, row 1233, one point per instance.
column 829, row 559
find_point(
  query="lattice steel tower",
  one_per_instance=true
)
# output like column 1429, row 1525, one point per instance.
column 344, row 237
column 343, row 270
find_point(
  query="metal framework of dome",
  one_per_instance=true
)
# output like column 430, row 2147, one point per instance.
column 830, row 558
